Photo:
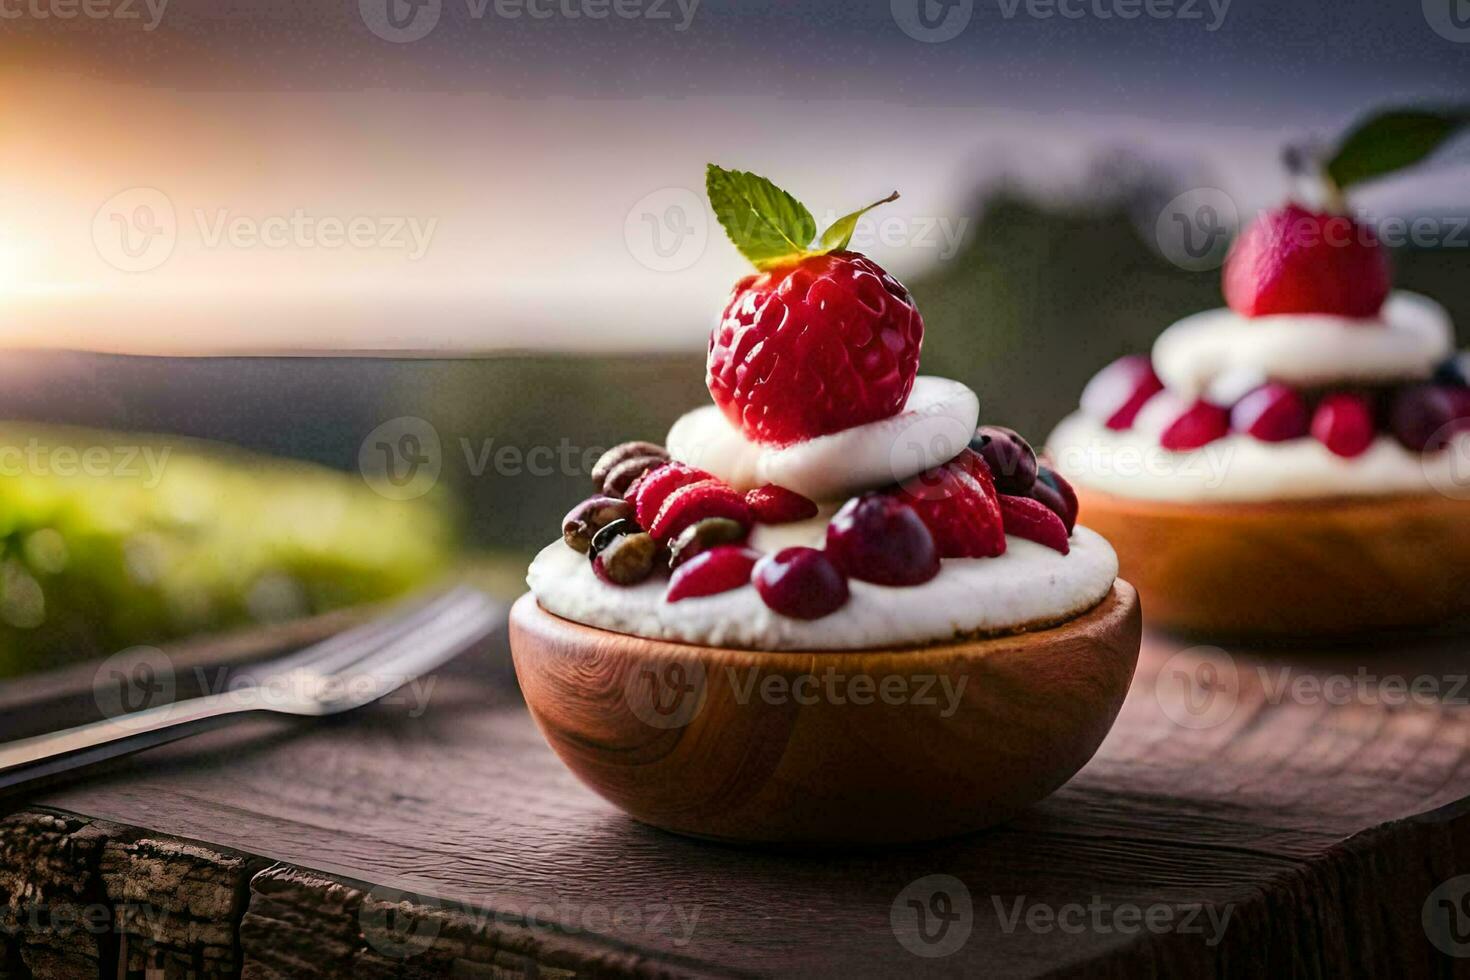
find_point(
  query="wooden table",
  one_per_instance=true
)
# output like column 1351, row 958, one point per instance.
column 1242, row 819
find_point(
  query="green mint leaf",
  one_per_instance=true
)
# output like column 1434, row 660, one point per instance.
column 1392, row 140
column 765, row 223
column 840, row 233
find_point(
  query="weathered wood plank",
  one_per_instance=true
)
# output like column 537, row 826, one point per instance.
column 1268, row 830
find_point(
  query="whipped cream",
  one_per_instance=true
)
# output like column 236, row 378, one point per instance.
column 1030, row 586
column 1243, row 469
column 935, row 423
column 1410, row 337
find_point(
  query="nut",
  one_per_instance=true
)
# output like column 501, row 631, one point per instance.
column 591, row 516
column 629, row 559
column 701, row 536
column 619, row 453
column 621, row 476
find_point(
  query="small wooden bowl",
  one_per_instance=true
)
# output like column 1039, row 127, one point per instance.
column 1292, row 568
column 855, row 747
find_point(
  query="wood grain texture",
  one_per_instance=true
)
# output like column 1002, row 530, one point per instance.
column 1320, row 825
column 833, row 748
column 1291, row 568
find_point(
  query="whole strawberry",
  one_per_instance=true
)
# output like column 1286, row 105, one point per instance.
column 1291, row 260
column 820, row 339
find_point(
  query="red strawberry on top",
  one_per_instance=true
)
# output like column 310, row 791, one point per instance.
column 959, row 505
column 1291, row 260
column 820, row 339
column 825, row 343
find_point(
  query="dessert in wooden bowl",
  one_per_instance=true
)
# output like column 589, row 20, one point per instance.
column 832, row 609
column 827, row 748
column 1297, row 464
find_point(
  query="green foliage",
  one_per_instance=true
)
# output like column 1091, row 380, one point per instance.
column 1392, row 140
column 173, row 537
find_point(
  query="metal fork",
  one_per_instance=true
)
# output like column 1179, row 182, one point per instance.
column 352, row 669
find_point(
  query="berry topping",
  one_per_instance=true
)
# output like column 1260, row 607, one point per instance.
column 825, row 343
column 655, row 486
column 1118, row 391
column 1455, row 371
column 1198, row 424
column 1343, row 423
column 717, row 570
column 777, row 505
column 1054, row 491
column 1028, row 518
column 957, row 502
column 620, row 453
column 705, row 535
column 620, row 478
column 879, row 538
column 1291, row 260
column 801, row 583
column 1011, row 459
column 1271, row 413
column 1424, row 417
column 695, row 502
column 590, row 516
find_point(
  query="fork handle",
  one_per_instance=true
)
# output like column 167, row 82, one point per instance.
column 28, row 761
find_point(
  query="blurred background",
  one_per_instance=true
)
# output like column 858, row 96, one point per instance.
column 376, row 280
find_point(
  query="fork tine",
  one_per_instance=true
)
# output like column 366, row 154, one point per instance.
column 395, row 664
column 343, row 648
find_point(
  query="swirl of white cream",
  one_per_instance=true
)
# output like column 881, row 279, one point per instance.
column 935, row 423
column 1411, row 335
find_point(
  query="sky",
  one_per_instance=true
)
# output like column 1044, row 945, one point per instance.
column 195, row 177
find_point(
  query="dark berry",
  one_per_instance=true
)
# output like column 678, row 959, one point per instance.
column 1455, row 371
column 801, row 583
column 619, row 453
column 702, row 536
column 1011, row 459
column 1054, row 491
column 879, row 538
column 1424, row 417
column 622, row 476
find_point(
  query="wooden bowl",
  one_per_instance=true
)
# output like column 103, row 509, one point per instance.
column 1292, row 568
column 855, row 747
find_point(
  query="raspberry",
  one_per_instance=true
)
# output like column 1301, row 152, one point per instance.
column 1343, row 423
column 649, row 493
column 1197, row 425
column 1118, row 391
column 1031, row 519
column 717, row 570
column 801, row 583
column 696, row 502
column 814, row 346
column 1292, row 260
column 957, row 502
column 1271, row 413
column 777, row 505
